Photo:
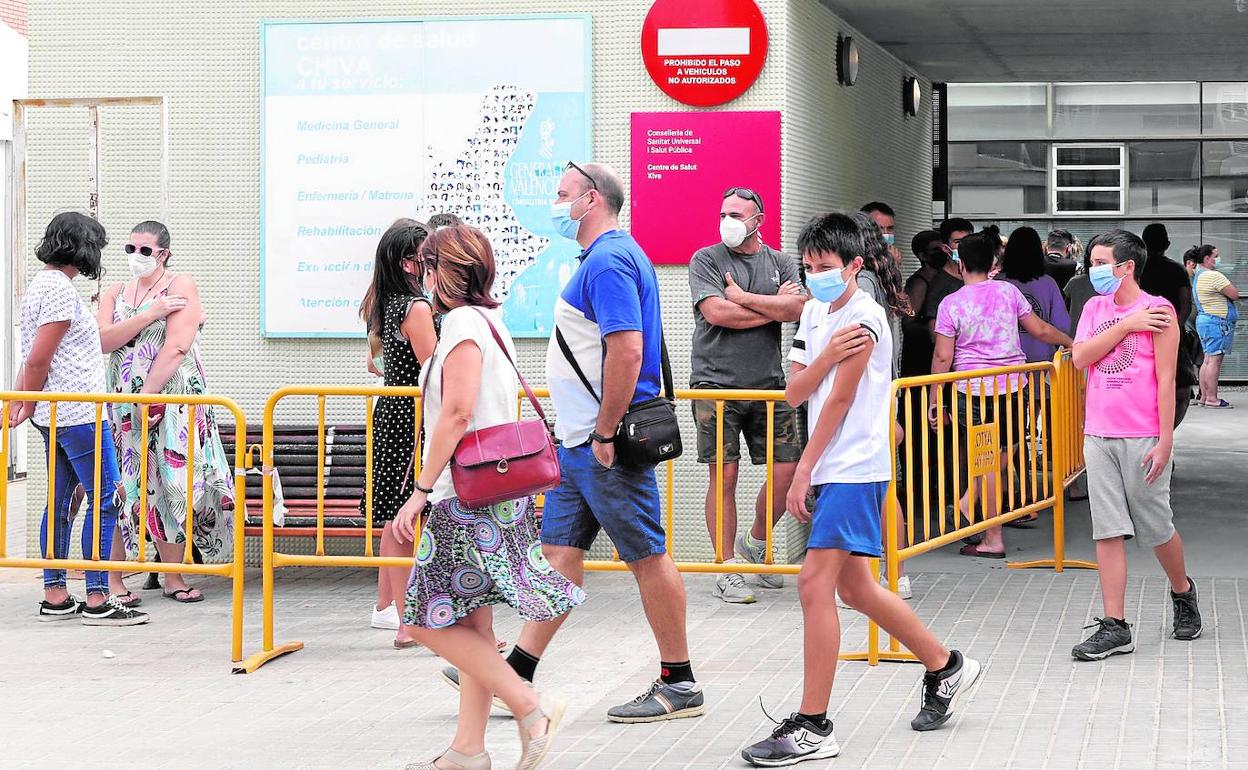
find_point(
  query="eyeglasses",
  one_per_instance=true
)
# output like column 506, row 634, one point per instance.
column 146, row 251
column 583, row 173
column 745, row 193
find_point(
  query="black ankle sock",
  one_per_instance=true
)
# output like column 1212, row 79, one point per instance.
column 819, row 720
column 523, row 663
column 953, row 659
column 676, row 672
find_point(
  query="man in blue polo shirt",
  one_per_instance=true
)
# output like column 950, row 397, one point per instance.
column 609, row 319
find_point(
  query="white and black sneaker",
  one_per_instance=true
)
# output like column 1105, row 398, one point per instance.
column 1112, row 637
column 942, row 689
column 70, row 609
column 112, row 613
column 1187, row 625
column 794, row 740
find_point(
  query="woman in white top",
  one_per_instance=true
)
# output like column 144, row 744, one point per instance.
column 61, row 354
column 470, row 559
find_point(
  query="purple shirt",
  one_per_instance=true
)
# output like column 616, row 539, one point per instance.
column 1049, row 305
column 982, row 319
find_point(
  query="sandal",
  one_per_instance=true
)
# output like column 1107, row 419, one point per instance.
column 183, row 596
column 534, row 750
column 1024, row 523
column 973, row 550
column 406, row 644
column 459, row 762
column 974, row 539
column 1221, row 403
column 128, row 599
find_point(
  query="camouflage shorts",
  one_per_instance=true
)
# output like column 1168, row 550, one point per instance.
column 749, row 418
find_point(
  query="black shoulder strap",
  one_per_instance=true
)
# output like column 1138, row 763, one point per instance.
column 567, row 353
column 665, row 362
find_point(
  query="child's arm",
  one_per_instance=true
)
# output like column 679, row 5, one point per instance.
column 803, row 380
column 830, row 419
column 1150, row 320
column 1166, row 352
column 942, row 363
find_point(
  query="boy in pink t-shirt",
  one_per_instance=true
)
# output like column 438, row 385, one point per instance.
column 1128, row 341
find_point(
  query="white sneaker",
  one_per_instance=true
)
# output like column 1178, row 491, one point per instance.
column 757, row 555
column 387, row 619
column 903, row 586
column 732, row 589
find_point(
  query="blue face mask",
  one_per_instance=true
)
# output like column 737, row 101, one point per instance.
column 890, row 239
column 1103, row 279
column 1217, row 261
column 561, row 218
column 953, row 257
column 827, row 286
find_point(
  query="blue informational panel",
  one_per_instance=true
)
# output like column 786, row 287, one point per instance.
column 365, row 122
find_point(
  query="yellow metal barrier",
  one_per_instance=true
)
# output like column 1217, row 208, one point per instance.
column 232, row 570
column 273, row 560
column 1023, row 444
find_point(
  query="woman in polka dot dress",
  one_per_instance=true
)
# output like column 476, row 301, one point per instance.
column 398, row 312
column 471, row 559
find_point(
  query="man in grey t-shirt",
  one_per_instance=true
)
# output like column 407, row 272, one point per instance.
column 742, row 292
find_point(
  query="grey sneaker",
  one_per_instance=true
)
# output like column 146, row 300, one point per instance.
column 1112, row 637
column 70, row 609
column 732, row 589
column 942, row 691
column 450, row 675
column 662, row 701
column 757, row 555
column 1187, row 624
column 794, row 740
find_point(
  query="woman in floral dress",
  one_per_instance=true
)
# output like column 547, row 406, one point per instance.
column 150, row 325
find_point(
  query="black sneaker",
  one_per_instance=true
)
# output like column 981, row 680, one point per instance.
column 1186, row 614
column 1113, row 637
column 69, row 609
column 941, row 691
column 794, row 740
column 111, row 613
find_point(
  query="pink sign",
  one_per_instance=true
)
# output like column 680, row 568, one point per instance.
column 682, row 162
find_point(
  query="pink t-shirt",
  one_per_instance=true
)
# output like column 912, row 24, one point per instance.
column 1122, row 386
column 982, row 319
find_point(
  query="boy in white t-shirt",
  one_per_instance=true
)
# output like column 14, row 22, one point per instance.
column 848, row 460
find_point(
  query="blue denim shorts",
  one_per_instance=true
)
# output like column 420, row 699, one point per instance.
column 590, row 497
column 1217, row 335
column 847, row 517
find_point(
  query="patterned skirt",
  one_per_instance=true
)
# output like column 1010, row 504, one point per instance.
column 468, row 559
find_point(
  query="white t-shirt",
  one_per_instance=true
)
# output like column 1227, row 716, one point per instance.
column 496, row 398
column 860, row 451
column 78, row 363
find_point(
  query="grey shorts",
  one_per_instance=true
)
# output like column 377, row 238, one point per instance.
column 1123, row 504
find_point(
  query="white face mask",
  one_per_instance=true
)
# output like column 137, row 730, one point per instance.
column 141, row 266
column 733, row 231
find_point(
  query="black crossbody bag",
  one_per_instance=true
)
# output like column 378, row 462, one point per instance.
column 649, row 434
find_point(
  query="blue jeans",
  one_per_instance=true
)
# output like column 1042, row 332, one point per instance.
column 75, row 463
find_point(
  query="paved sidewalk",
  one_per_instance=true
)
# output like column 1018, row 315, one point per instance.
column 350, row 701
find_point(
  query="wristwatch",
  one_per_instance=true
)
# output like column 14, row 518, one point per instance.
column 601, row 439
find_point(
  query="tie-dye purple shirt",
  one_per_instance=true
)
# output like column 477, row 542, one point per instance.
column 982, row 319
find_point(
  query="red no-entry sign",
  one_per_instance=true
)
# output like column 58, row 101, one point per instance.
column 704, row 52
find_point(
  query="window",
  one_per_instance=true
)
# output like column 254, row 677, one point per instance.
column 1226, row 177
column 1124, row 110
column 1225, row 109
column 998, row 111
column 1088, row 179
column 1163, row 177
column 1231, row 238
column 998, row 179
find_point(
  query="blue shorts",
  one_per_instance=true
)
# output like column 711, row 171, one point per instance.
column 590, row 497
column 847, row 517
column 1217, row 335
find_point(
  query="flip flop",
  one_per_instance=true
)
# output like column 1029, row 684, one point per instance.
column 1024, row 523
column 407, row 645
column 183, row 596
column 128, row 599
column 973, row 550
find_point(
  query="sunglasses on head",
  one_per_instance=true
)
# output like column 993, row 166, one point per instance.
column 146, row 251
column 583, row 173
column 745, row 193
